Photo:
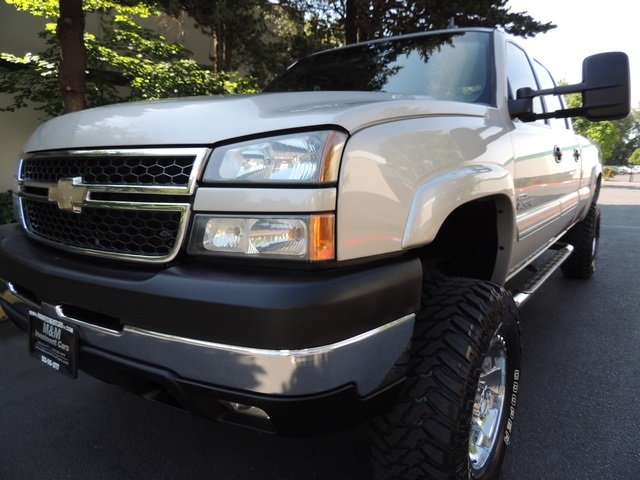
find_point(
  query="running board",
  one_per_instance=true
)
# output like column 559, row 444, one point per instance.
column 522, row 294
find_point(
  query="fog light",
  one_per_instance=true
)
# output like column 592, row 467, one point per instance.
column 243, row 409
column 307, row 237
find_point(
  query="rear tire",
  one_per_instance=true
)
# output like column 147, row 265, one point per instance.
column 463, row 372
column 585, row 237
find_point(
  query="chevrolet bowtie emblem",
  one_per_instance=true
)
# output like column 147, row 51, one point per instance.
column 69, row 194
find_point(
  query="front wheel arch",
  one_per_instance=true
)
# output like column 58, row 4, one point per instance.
column 474, row 241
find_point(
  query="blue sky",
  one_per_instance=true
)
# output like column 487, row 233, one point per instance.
column 584, row 28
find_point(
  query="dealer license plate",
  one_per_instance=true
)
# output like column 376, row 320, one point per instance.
column 54, row 342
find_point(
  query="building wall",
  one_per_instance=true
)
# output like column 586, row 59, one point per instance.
column 19, row 35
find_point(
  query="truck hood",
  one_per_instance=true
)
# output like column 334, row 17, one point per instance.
column 207, row 120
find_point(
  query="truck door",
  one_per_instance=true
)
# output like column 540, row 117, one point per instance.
column 547, row 161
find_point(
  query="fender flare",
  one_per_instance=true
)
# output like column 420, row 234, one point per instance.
column 440, row 195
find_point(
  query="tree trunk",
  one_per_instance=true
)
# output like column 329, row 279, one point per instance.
column 351, row 22
column 73, row 58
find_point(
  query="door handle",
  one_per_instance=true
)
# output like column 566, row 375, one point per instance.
column 557, row 153
column 576, row 154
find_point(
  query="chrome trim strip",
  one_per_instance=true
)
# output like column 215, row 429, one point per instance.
column 97, row 328
column 305, row 352
column 243, row 200
column 364, row 360
column 200, row 156
column 113, row 188
column 9, row 294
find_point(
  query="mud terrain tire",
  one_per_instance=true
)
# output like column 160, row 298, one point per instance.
column 464, row 328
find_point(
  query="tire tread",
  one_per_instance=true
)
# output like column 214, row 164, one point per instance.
column 456, row 323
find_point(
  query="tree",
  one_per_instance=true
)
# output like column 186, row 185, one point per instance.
column 629, row 140
column 249, row 33
column 261, row 37
column 634, row 159
column 125, row 62
column 605, row 134
column 237, row 27
column 618, row 139
column 73, row 57
column 362, row 20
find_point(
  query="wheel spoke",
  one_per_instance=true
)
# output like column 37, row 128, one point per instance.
column 488, row 405
column 492, row 379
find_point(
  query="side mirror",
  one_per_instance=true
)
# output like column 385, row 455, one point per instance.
column 605, row 88
column 606, row 80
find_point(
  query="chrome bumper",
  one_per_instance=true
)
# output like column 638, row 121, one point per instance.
column 364, row 360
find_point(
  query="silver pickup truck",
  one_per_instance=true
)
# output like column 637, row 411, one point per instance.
column 340, row 248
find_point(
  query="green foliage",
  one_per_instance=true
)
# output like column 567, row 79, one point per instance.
column 634, row 159
column 617, row 139
column 359, row 20
column 262, row 37
column 629, row 138
column 125, row 62
column 265, row 36
column 605, row 134
column 6, row 208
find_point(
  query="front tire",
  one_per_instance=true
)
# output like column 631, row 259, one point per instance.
column 454, row 418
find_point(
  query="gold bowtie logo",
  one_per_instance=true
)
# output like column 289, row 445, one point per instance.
column 69, row 194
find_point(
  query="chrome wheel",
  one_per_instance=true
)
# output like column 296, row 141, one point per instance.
column 488, row 407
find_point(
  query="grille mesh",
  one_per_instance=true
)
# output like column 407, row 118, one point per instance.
column 130, row 232
column 111, row 169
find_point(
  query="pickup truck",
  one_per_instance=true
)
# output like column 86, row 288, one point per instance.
column 345, row 247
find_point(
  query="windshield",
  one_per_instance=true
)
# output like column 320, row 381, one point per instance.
column 451, row 66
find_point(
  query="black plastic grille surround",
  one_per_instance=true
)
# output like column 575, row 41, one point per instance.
column 104, row 169
column 129, row 232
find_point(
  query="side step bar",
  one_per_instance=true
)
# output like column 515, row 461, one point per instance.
column 522, row 294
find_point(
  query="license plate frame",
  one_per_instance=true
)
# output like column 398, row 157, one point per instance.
column 54, row 342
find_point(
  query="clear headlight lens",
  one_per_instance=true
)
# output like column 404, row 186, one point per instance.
column 308, row 157
column 309, row 237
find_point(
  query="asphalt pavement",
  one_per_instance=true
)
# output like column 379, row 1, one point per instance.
column 579, row 410
column 578, row 413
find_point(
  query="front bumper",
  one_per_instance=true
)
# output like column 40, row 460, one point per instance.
column 270, row 335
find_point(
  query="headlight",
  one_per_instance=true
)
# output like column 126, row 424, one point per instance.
column 306, row 237
column 308, row 157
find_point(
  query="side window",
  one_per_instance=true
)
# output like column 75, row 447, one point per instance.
column 552, row 102
column 520, row 75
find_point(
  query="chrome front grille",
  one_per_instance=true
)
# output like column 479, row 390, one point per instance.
column 127, row 204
